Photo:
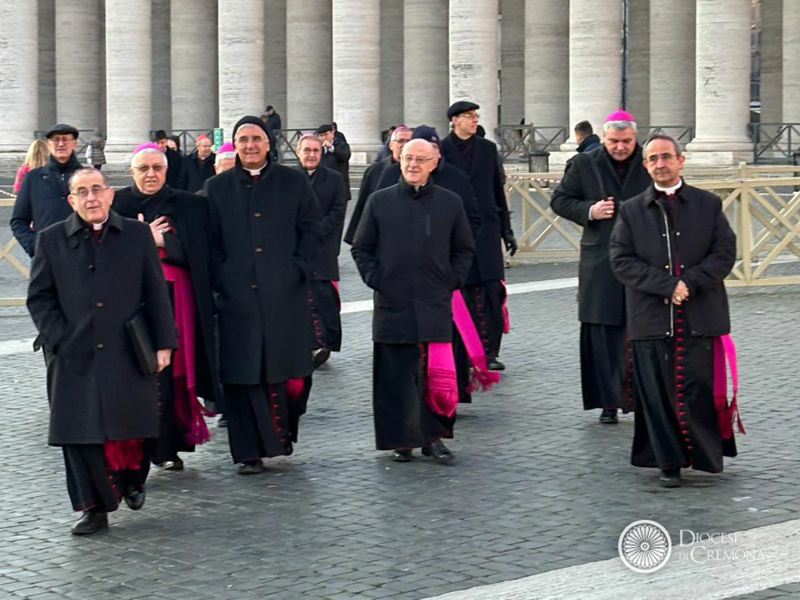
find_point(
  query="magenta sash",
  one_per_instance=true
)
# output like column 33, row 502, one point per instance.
column 188, row 410
column 725, row 352
column 294, row 388
column 441, row 390
column 121, row 455
column 506, row 318
column 482, row 378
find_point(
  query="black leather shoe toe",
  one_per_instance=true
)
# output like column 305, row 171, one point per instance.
column 402, row 455
column 135, row 499
column 90, row 522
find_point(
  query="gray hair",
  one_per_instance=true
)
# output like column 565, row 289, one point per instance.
column 149, row 151
column 663, row 136
column 619, row 125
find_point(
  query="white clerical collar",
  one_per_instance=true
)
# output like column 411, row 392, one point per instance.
column 255, row 172
column 669, row 190
column 99, row 226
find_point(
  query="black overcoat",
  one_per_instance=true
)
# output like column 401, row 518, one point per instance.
column 265, row 236
column 369, row 183
column 640, row 248
column 590, row 177
column 450, row 178
column 413, row 248
column 331, row 194
column 175, row 162
column 486, row 177
column 338, row 159
column 195, row 171
column 42, row 200
column 80, row 295
column 187, row 248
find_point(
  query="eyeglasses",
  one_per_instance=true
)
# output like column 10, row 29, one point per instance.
column 654, row 158
column 472, row 116
column 83, row 192
column 145, row 168
column 60, row 139
column 416, row 159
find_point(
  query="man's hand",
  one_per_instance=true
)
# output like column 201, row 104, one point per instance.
column 680, row 294
column 510, row 243
column 158, row 228
column 603, row 209
column 163, row 356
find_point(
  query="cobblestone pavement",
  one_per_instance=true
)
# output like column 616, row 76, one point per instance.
column 537, row 485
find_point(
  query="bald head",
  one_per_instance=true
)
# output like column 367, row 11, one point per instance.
column 417, row 162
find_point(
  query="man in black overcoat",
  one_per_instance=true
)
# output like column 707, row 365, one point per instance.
column 335, row 152
column 198, row 165
column 175, row 159
column 484, row 291
column 329, row 189
column 265, row 230
column 594, row 185
column 414, row 248
column 672, row 248
column 372, row 178
column 179, row 224
column 90, row 274
column 42, row 199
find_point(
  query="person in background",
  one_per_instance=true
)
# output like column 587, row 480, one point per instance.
column 96, row 150
column 586, row 137
column 225, row 158
column 35, row 157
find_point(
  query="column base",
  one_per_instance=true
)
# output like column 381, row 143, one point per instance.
column 363, row 154
column 724, row 158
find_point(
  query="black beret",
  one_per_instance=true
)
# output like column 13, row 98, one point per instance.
column 462, row 106
column 427, row 133
column 62, row 128
column 249, row 120
column 324, row 128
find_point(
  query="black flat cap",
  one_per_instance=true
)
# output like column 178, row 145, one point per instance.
column 427, row 133
column 324, row 128
column 62, row 128
column 249, row 120
column 462, row 106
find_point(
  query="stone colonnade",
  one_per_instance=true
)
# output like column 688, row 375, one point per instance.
column 129, row 67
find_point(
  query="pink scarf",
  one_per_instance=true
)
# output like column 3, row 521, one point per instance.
column 188, row 410
column 441, row 390
column 482, row 378
column 725, row 351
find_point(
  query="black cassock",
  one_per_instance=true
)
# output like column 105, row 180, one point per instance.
column 672, row 346
column 264, row 237
column 589, row 177
column 413, row 247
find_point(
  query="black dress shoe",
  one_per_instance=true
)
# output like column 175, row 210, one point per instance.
column 174, row 464
column 438, row 451
column 251, row 468
column 671, row 478
column 135, row 499
column 90, row 522
column 222, row 421
column 402, row 455
column 320, row 357
column 496, row 365
column 609, row 416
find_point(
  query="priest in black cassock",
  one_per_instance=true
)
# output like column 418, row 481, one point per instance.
column 594, row 185
column 90, row 274
column 485, row 291
column 414, row 247
column 265, row 229
column 331, row 193
column 179, row 224
column 672, row 247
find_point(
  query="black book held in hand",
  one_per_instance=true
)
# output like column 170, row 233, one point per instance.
column 142, row 343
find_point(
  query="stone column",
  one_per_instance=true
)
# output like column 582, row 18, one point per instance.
column 308, row 63
column 160, row 104
column 193, row 63
column 78, row 62
column 19, row 69
column 791, row 66
column 595, row 64
column 128, row 74
column 672, row 62
column 512, row 61
column 275, row 51
column 771, row 61
column 47, row 61
column 547, row 63
column 240, row 51
column 722, row 81
column 638, row 64
column 474, row 57
column 392, row 55
column 356, row 74
column 425, row 64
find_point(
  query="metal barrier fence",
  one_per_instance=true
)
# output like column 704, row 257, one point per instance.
column 761, row 203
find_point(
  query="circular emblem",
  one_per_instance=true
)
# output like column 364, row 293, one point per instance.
column 644, row 546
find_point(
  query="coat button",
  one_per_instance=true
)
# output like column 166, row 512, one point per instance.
column 100, row 346
column 677, row 233
column 99, row 305
column 666, row 266
column 257, row 215
column 259, row 250
column 253, row 286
